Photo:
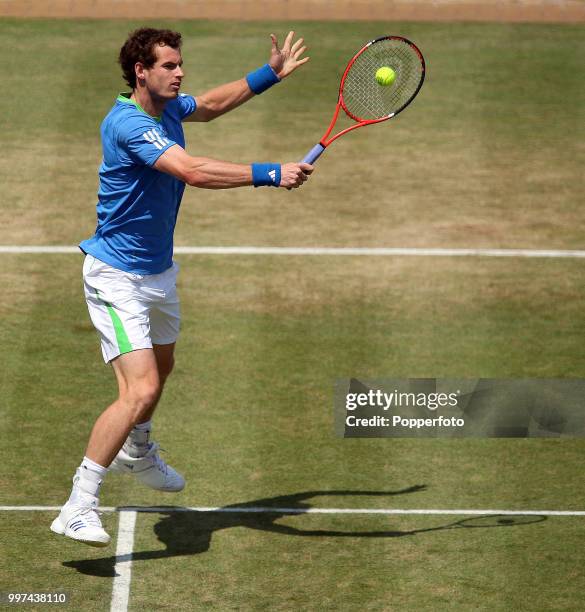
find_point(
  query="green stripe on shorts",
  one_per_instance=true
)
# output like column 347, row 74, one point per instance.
column 121, row 336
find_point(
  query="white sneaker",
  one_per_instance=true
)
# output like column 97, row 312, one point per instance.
column 150, row 470
column 80, row 521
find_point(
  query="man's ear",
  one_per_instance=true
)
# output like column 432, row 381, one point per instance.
column 139, row 70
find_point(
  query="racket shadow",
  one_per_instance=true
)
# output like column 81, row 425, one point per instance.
column 186, row 532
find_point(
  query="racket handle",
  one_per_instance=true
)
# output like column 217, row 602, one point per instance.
column 312, row 156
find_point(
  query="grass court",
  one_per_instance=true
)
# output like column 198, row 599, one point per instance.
column 490, row 155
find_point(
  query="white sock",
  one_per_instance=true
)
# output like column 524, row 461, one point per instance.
column 88, row 479
column 137, row 444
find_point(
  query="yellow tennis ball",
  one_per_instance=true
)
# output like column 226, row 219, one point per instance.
column 385, row 76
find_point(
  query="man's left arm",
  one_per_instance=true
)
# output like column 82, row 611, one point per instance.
column 225, row 98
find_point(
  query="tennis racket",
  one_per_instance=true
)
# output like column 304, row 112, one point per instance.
column 363, row 99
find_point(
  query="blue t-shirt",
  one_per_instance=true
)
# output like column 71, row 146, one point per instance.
column 138, row 205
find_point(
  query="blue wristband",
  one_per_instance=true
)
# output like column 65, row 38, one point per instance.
column 263, row 78
column 266, row 174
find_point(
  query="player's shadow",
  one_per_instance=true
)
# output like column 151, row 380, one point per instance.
column 189, row 532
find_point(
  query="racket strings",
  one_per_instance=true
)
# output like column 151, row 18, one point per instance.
column 364, row 98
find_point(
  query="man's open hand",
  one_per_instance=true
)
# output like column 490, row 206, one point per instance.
column 288, row 59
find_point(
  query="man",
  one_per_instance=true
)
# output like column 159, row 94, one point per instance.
column 129, row 275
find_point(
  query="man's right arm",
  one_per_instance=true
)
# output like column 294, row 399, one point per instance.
column 208, row 173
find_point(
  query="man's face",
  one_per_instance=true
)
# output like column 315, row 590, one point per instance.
column 163, row 79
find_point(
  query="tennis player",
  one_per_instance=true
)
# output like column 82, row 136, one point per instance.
column 129, row 274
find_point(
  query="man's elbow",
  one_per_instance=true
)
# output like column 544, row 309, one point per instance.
column 194, row 178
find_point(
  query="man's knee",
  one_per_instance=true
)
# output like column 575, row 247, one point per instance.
column 141, row 398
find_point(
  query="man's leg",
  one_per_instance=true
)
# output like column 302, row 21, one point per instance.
column 138, row 442
column 165, row 360
column 138, row 455
column 164, row 355
column 139, row 391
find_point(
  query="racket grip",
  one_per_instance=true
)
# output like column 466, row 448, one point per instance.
column 312, row 156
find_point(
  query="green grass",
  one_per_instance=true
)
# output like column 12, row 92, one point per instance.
column 490, row 154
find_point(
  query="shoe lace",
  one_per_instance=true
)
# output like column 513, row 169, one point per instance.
column 91, row 516
column 158, row 460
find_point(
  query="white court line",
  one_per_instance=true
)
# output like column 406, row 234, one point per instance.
column 330, row 251
column 387, row 511
column 275, row 510
column 123, row 566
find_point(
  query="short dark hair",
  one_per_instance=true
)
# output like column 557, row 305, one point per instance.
column 140, row 47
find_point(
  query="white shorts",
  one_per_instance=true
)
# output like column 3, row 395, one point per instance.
column 131, row 311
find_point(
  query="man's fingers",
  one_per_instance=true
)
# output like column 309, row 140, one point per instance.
column 288, row 40
column 299, row 52
column 274, row 42
column 297, row 44
column 307, row 168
